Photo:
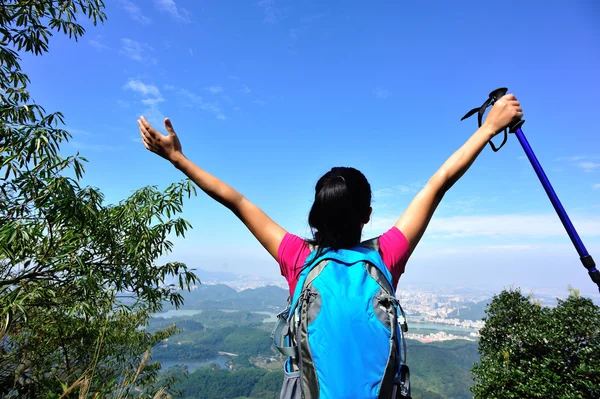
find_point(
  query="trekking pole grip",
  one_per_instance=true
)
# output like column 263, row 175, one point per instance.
column 584, row 256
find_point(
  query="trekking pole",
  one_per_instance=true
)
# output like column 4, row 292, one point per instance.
column 585, row 257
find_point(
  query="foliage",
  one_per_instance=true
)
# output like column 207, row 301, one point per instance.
column 78, row 277
column 206, row 383
column 438, row 370
column 441, row 369
column 538, row 352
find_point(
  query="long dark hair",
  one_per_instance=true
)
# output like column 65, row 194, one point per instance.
column 342, row 206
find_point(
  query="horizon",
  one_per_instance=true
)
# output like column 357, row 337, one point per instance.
column 269, row 95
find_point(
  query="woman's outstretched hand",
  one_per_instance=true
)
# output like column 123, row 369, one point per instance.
column 506, row 111
column 167, row 147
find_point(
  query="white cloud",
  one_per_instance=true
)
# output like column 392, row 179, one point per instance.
column 97, row 43
column 135, row 12
column 398, row 189
column 151, row 97
column 585, row 162
column 532, row 226
column 193, row 100
column 493, row 226
column 154, row 115
column 246, row 90
column 597, row 186
column 470, row 204
column 137, row 51
column 152, row 101
column 270, row 11
column 172, row 8
column 381, row 93
column 79, row 132
column 260, row 102
column 486, row 249
column 588, row 166
column 573, row 158
column 142, row 89
column 214, row 89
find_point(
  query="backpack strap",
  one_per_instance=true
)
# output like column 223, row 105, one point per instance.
column 372, row 244
column 289, row 317
column 281, row 332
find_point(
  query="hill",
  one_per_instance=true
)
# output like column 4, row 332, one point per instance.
column 470, row 311
column 222, row 297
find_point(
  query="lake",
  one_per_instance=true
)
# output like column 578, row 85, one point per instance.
column 437, row 327
column 178, row 313
column 169, row 314
column 221, row 360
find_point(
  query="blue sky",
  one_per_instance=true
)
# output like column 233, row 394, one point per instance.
column 269, row 94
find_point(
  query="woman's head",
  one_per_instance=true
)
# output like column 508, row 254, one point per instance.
column 342, row 207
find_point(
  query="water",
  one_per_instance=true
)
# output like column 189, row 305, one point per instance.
column 437, row 327
column 271, row 319
column 191, row 312
column 178, row 313
column 192, row 365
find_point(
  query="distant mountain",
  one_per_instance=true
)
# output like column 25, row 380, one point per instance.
column 223, row 297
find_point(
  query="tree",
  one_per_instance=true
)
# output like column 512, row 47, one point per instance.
column 78, row 277
column 531, row 351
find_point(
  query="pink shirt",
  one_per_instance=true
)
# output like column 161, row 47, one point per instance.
column 293, row 251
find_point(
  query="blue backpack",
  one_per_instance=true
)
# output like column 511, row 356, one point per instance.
column 340, row 331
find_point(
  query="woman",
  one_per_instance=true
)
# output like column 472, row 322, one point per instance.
column 341, row 208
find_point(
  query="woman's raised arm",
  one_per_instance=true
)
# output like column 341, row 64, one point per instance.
column 415, row 219
column 266, row 231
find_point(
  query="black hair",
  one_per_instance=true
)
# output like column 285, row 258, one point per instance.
column 342, row 205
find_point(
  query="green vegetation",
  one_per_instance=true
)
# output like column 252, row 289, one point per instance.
column 202, row 336
column 438, row 370
column 249, row 383
column 441, row 369
column 528, row 350
column 66, row 258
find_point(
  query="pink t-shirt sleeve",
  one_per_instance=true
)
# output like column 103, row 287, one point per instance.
column 291, row 256
column 395, row 251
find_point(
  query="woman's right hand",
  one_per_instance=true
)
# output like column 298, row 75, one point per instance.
column 167, row 147
column 505, row 112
